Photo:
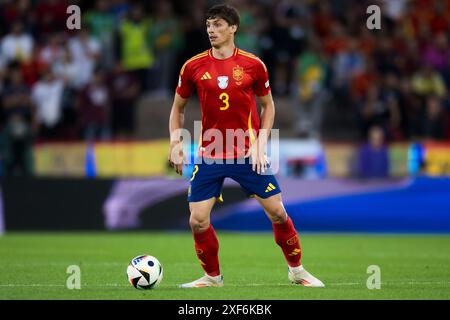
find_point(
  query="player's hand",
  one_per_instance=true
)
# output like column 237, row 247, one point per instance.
column 257, row 154
column 176, row 156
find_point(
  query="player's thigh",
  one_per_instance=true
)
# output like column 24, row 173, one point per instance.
column 273, row 207
column 206, row 182
column 254, row 184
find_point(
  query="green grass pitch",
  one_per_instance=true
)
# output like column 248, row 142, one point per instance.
column 33, row 266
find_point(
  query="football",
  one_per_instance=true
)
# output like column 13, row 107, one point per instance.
column 145, row 272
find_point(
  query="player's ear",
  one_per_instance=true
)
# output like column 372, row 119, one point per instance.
column 234, row 28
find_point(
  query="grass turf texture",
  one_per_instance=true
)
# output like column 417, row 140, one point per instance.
column 33, row 266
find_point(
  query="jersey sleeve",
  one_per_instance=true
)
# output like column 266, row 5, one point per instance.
column 185, row 85
column 261, row 86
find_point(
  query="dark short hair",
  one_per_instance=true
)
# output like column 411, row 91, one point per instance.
column 225, row 12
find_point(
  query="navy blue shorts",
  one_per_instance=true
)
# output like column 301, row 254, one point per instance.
column 207, row 180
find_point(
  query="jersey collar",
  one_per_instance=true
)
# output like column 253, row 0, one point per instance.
column 235, row 52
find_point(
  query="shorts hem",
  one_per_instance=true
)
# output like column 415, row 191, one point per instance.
column 218, row 198
column 265, row 195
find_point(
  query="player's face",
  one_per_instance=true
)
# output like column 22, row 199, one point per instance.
column 219, row 31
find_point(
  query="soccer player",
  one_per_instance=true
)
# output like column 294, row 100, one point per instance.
column 227, row 80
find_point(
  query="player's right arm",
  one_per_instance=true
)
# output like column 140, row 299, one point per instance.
column 176, row 123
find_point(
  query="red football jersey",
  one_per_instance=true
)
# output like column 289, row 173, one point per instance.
column 226, row 89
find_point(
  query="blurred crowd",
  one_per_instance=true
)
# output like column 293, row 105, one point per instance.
column 60, row 84
column 396, row 78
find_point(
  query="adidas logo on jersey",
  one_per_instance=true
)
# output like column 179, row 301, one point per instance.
column 206, row 76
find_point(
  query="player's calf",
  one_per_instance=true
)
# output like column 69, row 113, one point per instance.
column 286, row 237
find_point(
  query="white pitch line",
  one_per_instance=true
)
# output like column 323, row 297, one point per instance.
column 31, row 285
column 58, row 264
column 238, row 285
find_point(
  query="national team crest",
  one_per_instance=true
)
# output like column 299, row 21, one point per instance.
column 222, row 82
column 238, row 73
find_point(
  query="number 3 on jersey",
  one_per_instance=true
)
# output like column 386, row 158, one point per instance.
column 224, row 97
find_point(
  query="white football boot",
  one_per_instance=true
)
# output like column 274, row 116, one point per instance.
column 205, row 281
column 299, row 275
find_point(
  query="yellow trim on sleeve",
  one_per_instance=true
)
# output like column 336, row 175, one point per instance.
column 198, row 56
column 250, row 130
column 252, row 56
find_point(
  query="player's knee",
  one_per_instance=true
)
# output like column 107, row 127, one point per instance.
column 277, row 214
column 198, row 224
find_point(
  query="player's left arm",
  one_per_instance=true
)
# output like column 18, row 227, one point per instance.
column 257, row 151
column 267, row 116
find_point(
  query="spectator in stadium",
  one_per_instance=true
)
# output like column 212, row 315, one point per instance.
column 119, row 9
column 379, row 109
column 434, row 120
column 21, row 10
column 165, row 38
column 250, row 26
column 194, row 30
column 411, row 105
column 362, row 80
column 2, row 77
column 67, row 70
column 426, row 81
column 94, row 107
column 437, row 53
column 51, row 15
column 16, row 147
column 333, row 44
column 337, row 40
column 16, row 96
column 323, row 19
column 124, row 88
column 366, row 42
column 390, row 94
column 101, row 22
column 309, row 94
column 289, row 34
column 384, row 54
column 134, row 49
column 407, row 57
column 347, row 64
column 16, row 135
column 85, row 51
column 394, row 9
column 439, row 18
column 47, row 98
column 52, row 50
column 17, row 45
column 373, row 156
column 32, row 68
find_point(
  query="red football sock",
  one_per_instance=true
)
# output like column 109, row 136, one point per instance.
column 286, row 237
column 207, row 248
